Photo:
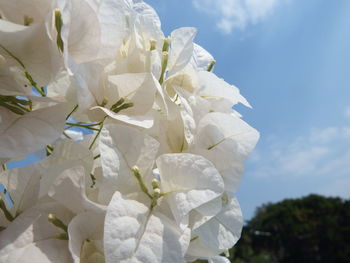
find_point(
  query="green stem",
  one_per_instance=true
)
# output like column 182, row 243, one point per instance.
column 98, row 133
column 3, row 207
column 57, row 222
column 81, row 125
column 74, row 109
column 34, row 84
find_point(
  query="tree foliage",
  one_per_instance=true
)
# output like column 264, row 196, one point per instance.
column 309, row 229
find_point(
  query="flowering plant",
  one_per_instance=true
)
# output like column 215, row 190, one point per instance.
column 153, row 176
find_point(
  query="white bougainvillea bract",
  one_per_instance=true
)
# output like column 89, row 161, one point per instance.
column 141, row 151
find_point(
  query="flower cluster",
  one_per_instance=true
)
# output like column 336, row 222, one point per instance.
column 153, row 176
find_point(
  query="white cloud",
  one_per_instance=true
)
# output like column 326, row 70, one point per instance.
column 323, row 152
column 236, row 14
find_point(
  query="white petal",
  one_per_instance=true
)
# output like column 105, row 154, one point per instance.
column 33, row 48
column 121, row 148
column 134, row 234
column 222, row 231
column 188, row 120
column 148, row 14
column 143, row 121
column 138, row 88
column 205, row 212
column 31, row 228
column 112, row 15
column 13, row 82
column 201, row 58
column 218, row 259
column 213, row 87
column 15, row 11
column 84, row 32
column 85, row 226
column 24, row 134
column 23, row 186
column 66, row 154
column 69, row 190
column 45, row 251
column 181, row 49
column 191, row 181
column 226, row 141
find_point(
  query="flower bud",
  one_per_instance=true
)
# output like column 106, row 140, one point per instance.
column 57, row 222
column 135, row 169
column 155, row 183
column 58, row 26
column 156, row 193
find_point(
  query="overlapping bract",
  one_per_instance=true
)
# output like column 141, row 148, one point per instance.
column 154, row 177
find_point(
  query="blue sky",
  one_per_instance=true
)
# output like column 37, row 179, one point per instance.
column 291, row 60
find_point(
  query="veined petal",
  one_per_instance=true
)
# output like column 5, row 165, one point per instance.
column 201, row 58
column 31, row 48
column 226, row 141
column 83, row 229
column 67, row 154
column 45, row 251
column 134, row 233
column 23, row 186
column 24, row 134
column 181, row 49
column 31, row 230
column 121, row 148
column 113, row 21
column 213, row 87
column 84, row 39
column 69, row 190
column 222, row 231
column 143, row 121
column 137, row 88
column 190, row 181
column 22, row 11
